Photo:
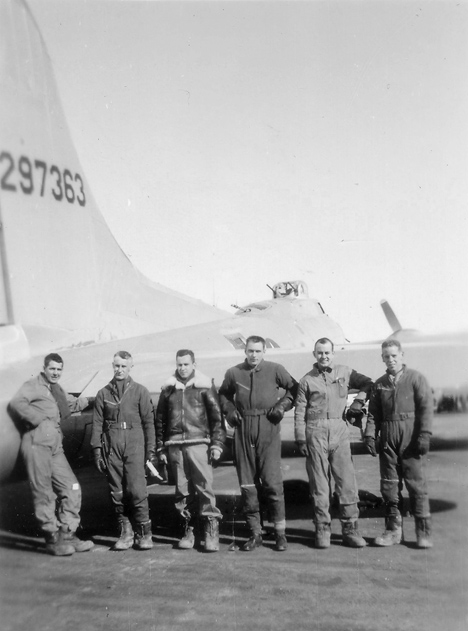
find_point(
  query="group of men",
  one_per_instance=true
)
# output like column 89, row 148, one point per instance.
column 187, row 431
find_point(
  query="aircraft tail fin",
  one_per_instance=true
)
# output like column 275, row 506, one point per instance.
column 64, row 279
column 391, row 316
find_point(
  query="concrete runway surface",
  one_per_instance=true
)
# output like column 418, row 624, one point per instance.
column 340, row 589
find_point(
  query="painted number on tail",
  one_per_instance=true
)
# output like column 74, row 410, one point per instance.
column 29, row 176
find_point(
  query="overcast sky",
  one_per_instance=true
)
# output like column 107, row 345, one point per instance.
column 234, row 144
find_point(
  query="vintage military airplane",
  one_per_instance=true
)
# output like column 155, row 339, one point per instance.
column 66, row 285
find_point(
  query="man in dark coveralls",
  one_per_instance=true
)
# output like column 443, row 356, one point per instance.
column 399, row 431
column 123, row 439
column 251, row 402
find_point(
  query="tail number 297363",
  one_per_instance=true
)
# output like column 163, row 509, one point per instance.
column 35, row 176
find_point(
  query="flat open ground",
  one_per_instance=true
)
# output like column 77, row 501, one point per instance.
column 339, row 589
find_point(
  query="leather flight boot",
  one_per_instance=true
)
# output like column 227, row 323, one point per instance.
column 211, row 534
column 392, row 533
column 56, row 547
column 66, row 536
column 255, row 541
column 143, row 539
column 351, row 535
column 188, row 539
column 322, row 535
column 423, row 532
column 125, row 540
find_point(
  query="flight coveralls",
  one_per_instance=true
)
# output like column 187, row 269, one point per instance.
column 188, row 424
column 56, row 491
column 400, row 409
column 123, row 427
column 257, row 440
column 319, row 423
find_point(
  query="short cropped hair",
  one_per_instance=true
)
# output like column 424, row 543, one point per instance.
column 123, row 355
column 391, row 342
column 324, row 340
column 255, row 339
column 52, row 357
column 186, row 351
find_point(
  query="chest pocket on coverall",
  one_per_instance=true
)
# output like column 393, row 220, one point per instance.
column 111, row 411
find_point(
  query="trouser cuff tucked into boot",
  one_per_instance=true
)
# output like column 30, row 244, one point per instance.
column 126, row 535
column 143, row 539
column 392, row 534
column 188, row 538
column 211, row 534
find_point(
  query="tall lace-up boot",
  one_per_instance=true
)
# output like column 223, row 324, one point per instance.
column 322, row 535
column 188, row 538
column 143, row 539
column 211, row 534
column 125, row 540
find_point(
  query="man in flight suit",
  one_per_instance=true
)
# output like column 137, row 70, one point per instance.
column 400, row 422
column 322, row 435
column 40, row 405
column 252, row 404
column 123, row 439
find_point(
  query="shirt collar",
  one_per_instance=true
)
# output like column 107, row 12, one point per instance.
column 44, row 379
column 322, row 370
column 254, row 368
column 395, row 378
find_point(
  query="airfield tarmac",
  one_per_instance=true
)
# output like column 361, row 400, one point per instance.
column 340, row 589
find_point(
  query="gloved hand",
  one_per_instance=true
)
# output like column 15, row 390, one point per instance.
column 234, row 418
column 423, row 443
column 302, row 448
column 99, row 461
column 354, row 413
column 215, row 453
column 275, row 414
column 151, row 456
column 369, row 442
column 162, row 457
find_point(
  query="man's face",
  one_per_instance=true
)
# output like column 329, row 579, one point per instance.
column 323, row 353
column 184, row 366
column 53, row 371
column 392, row 357
column 121, row 367
column 254, row 353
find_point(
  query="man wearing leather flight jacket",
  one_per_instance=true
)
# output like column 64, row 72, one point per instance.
column 190, row 433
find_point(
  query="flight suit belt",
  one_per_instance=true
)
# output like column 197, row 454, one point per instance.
column 403, row 416
column 254, row 412
column 116, row 425
column 325, row 417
